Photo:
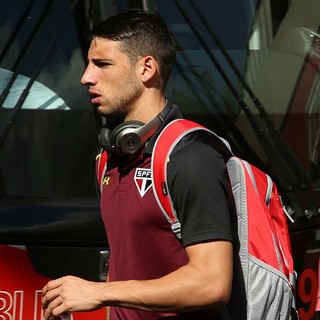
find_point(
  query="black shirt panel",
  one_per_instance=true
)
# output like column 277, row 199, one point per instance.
column 199, row 187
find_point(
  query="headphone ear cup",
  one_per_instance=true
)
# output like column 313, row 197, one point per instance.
column 128, row 138
column 104, row 138
column 124, row 139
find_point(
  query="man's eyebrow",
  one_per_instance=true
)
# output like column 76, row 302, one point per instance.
column 99, row 60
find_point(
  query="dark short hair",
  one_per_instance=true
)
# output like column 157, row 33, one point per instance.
column 141, row 33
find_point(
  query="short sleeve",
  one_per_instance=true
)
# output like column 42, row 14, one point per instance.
column 199, row 187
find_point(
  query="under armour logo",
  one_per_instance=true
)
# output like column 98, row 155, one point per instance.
column 106, row 180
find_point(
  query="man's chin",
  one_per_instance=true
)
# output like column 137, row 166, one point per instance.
column 103, row 111
column 100, row 110
column 110, row 113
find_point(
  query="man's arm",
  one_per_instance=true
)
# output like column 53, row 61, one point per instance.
column 203, row 283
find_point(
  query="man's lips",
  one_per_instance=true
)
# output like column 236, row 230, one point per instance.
column 95, row 97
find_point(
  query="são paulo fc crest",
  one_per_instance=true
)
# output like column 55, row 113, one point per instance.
column 143, row 180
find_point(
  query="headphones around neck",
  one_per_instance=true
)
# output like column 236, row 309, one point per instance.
column 129, row 137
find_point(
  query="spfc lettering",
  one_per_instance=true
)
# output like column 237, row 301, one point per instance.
column 143, row 180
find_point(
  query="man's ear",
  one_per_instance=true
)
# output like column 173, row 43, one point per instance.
column 149, row 68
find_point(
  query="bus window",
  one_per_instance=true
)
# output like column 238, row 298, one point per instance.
column 48, row 127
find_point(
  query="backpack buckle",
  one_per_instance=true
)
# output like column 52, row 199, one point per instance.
column 176, row 228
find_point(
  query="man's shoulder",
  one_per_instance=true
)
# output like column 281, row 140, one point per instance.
column 195, row 142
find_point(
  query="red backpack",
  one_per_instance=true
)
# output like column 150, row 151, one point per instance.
column 264, row 275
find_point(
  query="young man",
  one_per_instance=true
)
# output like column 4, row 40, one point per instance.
column 152, row 275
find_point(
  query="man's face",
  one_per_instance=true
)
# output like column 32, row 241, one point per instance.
column 112, row 81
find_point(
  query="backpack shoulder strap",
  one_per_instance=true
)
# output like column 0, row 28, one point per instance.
column 101, row 167
column 163, row 147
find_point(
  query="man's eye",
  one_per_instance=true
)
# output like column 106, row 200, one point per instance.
column 102, row 64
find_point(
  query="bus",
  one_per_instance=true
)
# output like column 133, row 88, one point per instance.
column 246, row 69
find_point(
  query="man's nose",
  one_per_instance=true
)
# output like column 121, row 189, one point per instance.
column 86, row 78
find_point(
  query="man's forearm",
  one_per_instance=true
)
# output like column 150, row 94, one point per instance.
column 180, row 291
